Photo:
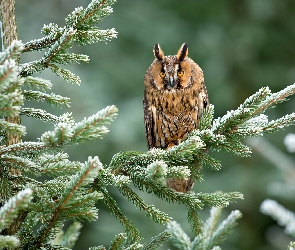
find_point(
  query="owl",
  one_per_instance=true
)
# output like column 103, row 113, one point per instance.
column 174, row 99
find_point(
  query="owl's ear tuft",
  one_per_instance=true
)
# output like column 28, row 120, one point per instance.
column 158, row 52
column 182, row 52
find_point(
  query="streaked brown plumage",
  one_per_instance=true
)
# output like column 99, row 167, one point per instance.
column 174, row 99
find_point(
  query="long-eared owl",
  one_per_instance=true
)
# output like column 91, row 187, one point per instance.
column 174, row 99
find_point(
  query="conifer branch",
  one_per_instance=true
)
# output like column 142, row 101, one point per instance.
column 225, row 134
column 132, row 232
column 9, row 242
column 10, row 35
column 68, row 239
column 218, row 199
column 42, row 115
column 24, row 147
column 68, row 205
column 13, row 128
column 11, row 98
column 24, row 165
column 156, row 241
column 98, row 248
column 118, row 242
column 68, row 132
column 283, row 216
column 216, row 235
column 93, row 127
column 53, row 99
column 152, row 212
column 291, row 246
column 79, row 29
column 12, row 207
column 39, row 44
column 37, row 83
column 213, row 234
column 178, row 238
column 54, row 165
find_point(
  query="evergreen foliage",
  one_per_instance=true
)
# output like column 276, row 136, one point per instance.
column 212, row 236
column 71, row 189
column 283, row 216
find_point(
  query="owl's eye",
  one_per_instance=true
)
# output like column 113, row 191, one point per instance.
column 180, row 73
column 162, row 74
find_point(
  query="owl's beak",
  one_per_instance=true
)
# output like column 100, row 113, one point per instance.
column 171, row 83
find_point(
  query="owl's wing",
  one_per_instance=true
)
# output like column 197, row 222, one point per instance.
column 203, row 100
column 149, row 124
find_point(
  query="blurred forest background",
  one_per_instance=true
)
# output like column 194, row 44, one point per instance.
column 240, row 45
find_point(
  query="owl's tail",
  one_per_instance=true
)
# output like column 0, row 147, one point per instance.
column 181, row 185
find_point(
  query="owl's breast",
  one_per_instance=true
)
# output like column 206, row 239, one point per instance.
column 174, row 116
column 175, row 102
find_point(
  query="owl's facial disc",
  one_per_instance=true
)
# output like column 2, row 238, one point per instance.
column 171, row 78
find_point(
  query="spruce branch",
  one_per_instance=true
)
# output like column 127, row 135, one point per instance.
column 93, row 127
column 121, row 242
column 216, row 235
column 57, row 164
column 73, row 202
column 10, row 103
column 97, row 248
column 118, row 242
column 94, row 13
column 132, row 232
column 251, row 108
column 37, row 83
column 24, row 148
column 13, row 128
column 12, row 215
column 9, row 242
column 70, row 58
column 11, row 98
column 279, row 124
column 178, row 238
column 23, row 164
column 149, row 170
column 52, row 99
column 150, row 210
column 213, row 234
column 79, row 29
column 65, row 74
column 42, row 115
column 12, row 54
column 283, row 216
column 218, row 199
column 39, row 44
column 156, row 241
column 130, row 164
column 13, row 206
column 68, row 239
column 68, row 132
column 122, row 183
column 291, row 246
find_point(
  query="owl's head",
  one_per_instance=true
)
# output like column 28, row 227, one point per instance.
column 177, row 72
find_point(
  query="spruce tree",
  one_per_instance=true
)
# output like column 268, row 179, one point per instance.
column 33, row 211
